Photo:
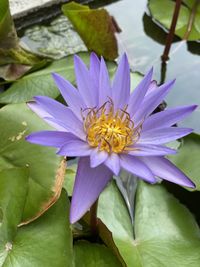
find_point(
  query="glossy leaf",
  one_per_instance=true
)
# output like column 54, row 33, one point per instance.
column 95, row 26
column 17, row 121
column 164, row 232
column 13, row 191
column 162, row 12
column 90, row 255
column 45, row 242
column 188, row 158
column 41, row 82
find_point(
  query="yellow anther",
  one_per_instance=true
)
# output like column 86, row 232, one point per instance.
column 109, row 130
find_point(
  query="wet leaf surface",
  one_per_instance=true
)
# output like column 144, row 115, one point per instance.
column 159, row 236
column 15, row 151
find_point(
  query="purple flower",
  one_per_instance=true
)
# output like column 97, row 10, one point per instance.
column 110, row 128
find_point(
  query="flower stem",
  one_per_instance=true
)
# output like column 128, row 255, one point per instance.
column 170, row 35
column 191, row 19
column 94, row 220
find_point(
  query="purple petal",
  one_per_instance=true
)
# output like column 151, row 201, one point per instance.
column 163, row 168
column 153, row 86
column 137, row 167
column 49, row 138
column 104, row 84
column 70, row 94
column 151, row 150
column 151, row 101
column 167, row 117
column 163, row 135
column 94, row 71
column 138, row 94
column 84, row 84
column 113, row 163
column 121, row 84
column 43, row 114
column 61, row 115
column 75, row 148
column 97, row 157
column 89, row 183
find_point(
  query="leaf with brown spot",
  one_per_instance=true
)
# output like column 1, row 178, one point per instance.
column 17, row 121
column 96, row 28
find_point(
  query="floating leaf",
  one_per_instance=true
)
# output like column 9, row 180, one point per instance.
column 56, row 189
column 162, row 12
column 13, row 191
column 90, row 255
column 96, row 28
column 45, row 242
column 41, row 82
column 164, row 232
column 188, row 158
column 17, row 121
column 54, row 41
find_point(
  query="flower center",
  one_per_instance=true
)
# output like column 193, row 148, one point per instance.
column 109, row 130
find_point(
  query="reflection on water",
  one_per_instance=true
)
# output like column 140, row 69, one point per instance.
column 144, row 44
column 143, row 41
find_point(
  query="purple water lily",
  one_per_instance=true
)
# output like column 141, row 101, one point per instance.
column 110, row 128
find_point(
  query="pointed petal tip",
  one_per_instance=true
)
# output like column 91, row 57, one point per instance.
column 27, row 138
column 193, row 107
column 78, row 60
column 125, row 56
column 172, row 82
column 94, row 55
column 150, row 71
column 56, row 76
column 190, row 184
column 75, row 217
column 72, row 218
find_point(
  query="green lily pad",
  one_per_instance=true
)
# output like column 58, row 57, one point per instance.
column 164, row 233
column 188, row 158
column 17, row 121
column 162, row 12
column 90, row 255
column 13, row 191
column 96, row 28
column 45, row 242
column 41, row 82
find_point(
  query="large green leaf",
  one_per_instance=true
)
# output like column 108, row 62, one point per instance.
column 16, row 121
column 45, row 242
column 41, row 82
column 188, row 158
column 165, row 233
column 162, row 12
column 13, row 191
column 90, row 255
column 96, row 28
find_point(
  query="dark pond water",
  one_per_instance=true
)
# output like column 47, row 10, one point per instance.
column 143, row 41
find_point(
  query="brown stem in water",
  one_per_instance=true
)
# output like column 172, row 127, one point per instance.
column 94, row 220
column 170, row 35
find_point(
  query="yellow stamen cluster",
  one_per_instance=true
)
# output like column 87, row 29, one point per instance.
column 110, row 130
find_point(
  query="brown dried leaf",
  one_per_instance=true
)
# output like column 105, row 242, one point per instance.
column 57, row 188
